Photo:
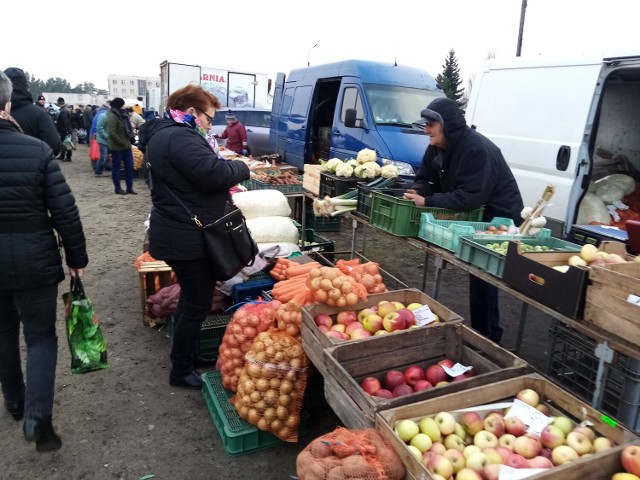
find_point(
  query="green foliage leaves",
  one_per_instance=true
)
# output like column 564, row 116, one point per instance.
column 60, row 85
column 450, row 80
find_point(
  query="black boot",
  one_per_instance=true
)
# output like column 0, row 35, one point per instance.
column 41, row 430
column 130, row 191
column 16, row 409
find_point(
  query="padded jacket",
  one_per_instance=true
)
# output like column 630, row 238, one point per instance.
column 470, row 173
column 35, row 200
column 33, row 120
column 183, row 162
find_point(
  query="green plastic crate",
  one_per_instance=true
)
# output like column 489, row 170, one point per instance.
column 253, row 184
column 473, row 250
column 238, row 436
column 389, row 212
column 316, row 243
column 321, row 224
column 211, row 334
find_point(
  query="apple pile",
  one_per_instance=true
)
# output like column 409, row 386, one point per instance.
column 414, row 378
column 630, row 459
column 381, row 319
column 470, row 447
column 590, row 256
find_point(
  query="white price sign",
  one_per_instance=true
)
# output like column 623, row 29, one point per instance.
column 424, row 316
column 533, row 418
column 457, row 370
column 509, row 473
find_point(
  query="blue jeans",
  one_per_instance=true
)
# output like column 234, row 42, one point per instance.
column 196, row 294
column 36, row 308
column 484, row 309
column 104, row 156
column 118, row 157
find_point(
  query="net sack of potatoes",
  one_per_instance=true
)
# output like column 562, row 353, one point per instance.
column 349, row 454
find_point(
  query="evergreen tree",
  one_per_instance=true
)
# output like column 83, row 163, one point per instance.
column 450, row 80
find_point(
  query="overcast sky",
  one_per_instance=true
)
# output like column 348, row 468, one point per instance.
column 87, row 41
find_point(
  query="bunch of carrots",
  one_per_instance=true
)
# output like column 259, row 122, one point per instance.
column 292, row 281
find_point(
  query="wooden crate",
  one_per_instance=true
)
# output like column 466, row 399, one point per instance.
column 606, row 302
column 311, row 179
column 315, row 342
column 347, row 364
column 559, row 401
column 152, row 275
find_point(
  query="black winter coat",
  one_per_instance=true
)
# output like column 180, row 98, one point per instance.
column 34, row 200
column 63, row 122
column 471, row 172
column 182, row 161
column 33, row 120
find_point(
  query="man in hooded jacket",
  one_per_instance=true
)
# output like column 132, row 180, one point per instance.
column 34, row 120
column 463, row 170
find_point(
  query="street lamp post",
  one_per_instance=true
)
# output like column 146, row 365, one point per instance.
column 308, row 62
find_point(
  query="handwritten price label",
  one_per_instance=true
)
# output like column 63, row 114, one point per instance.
column 424, row 316
column 456, row 370
column 508, row 473
column 533, row 418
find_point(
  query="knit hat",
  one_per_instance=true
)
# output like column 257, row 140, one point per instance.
column 60, row 101
column 117, row 102
column 230, row 116
column 41, row 97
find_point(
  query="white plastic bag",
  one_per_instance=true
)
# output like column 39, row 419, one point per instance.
column 592, row 209
column 273, row 229
column 262, row 203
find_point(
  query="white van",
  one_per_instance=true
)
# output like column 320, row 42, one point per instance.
column 561, row 122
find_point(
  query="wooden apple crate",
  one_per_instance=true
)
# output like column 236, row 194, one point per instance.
column 560, row 402
column 311, row 179
column 150, row 272
column 315, row 342
column 348, row 364
column 606, row 303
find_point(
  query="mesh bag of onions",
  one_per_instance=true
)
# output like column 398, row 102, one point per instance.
column 272, row 384
column 349, row 454
column 289, row 319
column 332, row 287
column 247, row 322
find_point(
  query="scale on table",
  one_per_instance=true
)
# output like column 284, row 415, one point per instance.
column 596, row 233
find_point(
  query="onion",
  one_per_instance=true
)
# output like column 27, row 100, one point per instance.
column 351, row 298
column 270, row 397
column 282, row 412
column 315, row 272
column 286, row 386
column 263, row 425
column 275, row 383
column 321, row 296
column 276, row 425
column 262, row 384
column 284, row 432
column 269, row 414
column 293, row 421
column 293, row 330
column 248, row 386
column 284, row 400
column 341, row 302
column 325, row 284
column 295, row 363
column 254, row 370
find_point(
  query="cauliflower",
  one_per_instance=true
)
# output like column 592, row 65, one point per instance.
column 362, row 171
column 344, row 170
column 372, row 166
column 389, row 171
column 331, row 165
column 353, row 163
column 367, row 155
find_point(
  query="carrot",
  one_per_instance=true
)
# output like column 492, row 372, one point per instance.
column 303, row 297
column 302, row 269
column 291, row 284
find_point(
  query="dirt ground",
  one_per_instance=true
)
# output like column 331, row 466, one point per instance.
column 126, row 422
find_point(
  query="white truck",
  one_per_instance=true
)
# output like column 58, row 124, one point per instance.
column 566, row 122
column 234, row 88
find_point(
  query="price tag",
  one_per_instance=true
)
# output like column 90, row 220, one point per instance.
column 456, row 370
column 424, row 316
column 533, row 418
column 509, row 473
column 633, row 299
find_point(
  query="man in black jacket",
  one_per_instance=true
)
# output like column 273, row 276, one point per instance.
column 463, row 170
column 33, row 119
column 35, row 203
column 63, row 123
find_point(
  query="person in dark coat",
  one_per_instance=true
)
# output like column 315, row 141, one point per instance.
column 463, row 170
column 33, row 119
column 119, row 138
column 35, row 204
column 63, row 123
column 236, row 135
column 183, row 164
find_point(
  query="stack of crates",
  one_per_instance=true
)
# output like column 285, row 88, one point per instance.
column 253, row 288
column 211, row 334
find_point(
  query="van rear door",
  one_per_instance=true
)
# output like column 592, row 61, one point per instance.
column 538, row 115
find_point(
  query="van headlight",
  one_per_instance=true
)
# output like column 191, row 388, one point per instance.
column 403, row 167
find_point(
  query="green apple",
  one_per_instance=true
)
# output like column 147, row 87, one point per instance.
column 406, row 430
column 422, row 442
column 429, row 426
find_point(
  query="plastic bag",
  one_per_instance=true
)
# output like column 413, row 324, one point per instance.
column 67, row 144
column 592, row 209
column 94, row 150
column 86, row 343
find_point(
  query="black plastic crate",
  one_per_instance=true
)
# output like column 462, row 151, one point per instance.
column 572, row 363
column 335, row 186
column 211, row 333
column 321, row 224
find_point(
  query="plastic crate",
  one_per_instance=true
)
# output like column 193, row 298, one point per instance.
column 335, row 186
column 389, row 212
column 211, row 334
column 321, row 224
column 254, row 184
column 250, row 290
column 572, row 363
column 238, row 436
column 446, row 233
column 472, row 249
column 365, row 198
column 314, row 243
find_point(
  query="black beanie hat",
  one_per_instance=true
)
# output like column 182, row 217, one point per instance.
column 117, row 103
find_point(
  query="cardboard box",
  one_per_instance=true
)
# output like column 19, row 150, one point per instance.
column 609, row 300
column 311, row 179
column 559, row 401
column 348, row 364
column 315, row 342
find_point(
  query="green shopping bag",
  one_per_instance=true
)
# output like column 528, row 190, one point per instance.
column 86, row 343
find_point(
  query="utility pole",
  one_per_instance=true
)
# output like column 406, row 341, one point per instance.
column 523, row 9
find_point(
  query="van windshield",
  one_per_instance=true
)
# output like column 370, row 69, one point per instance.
column 394, row 105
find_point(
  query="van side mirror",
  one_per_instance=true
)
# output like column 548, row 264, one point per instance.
column 350, row 117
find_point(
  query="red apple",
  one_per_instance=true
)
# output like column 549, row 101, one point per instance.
column 447, row 362
column 370, row 385
column 528, row 446
column 345, row 317
column 323, row 328
column 402, row 390
column 384, row 393
column 352, row 327
column 392, row 322
column 630, row 458
column 413, row 373
column 515, row 426
column 337, row 334
column 435, row 374
column 540, row 462
column 551, row 437
column 323, row 319
column 529, row 396
column 422, row 385
column 516, row 460
column 472, row 422
column 359, row 333
column 408, row 317
column 393, row 378
column 493, row 423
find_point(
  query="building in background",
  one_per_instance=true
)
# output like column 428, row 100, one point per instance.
column 133, row 89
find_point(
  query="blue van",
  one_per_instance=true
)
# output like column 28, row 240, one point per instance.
column 336, row 110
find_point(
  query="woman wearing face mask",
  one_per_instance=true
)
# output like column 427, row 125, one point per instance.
column 184, row 165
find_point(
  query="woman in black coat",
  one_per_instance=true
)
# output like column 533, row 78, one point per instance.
column 184, row 164
column 35, row 203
